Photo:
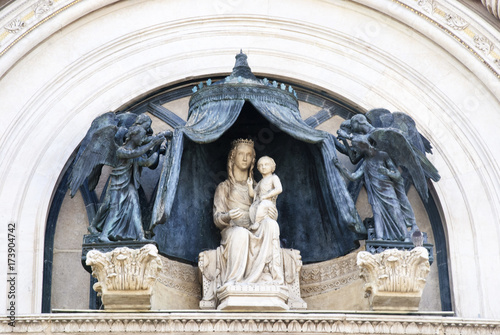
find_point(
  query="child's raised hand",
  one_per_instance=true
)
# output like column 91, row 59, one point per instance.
column 249, row 181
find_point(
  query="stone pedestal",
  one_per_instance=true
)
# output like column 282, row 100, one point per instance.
column 253, row 297
column 126, row 300
column 250, row 297
column 394, row 278
column 125, row 276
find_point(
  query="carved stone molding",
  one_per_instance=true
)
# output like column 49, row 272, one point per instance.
column 125, row 276
column 253, row 297
column 443, row 14
column 179, row 276
column 249, row 323
column 27, row 16
column 23, row 17
column 395, row 279
column 483, row 44
column 315, row 278
column 327, row 276
column 15, row 25
column 472, row 32
column 427, row 5
column 456, row 22
column 42, row 7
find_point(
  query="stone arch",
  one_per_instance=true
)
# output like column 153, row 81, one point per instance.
column 410, row 62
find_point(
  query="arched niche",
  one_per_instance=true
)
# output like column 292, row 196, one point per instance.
column 168, row 107
column 370, row 53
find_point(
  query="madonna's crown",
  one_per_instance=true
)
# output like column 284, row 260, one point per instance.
column 241, row 141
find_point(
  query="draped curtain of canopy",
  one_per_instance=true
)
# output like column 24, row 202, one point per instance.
column 207, row 122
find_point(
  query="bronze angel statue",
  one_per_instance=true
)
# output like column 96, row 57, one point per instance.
column 126, row 143
column 391, row 153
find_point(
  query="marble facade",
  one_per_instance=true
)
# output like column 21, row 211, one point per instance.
column 435, row 60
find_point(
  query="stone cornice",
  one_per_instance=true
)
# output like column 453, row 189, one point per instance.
column 468, row 29
column 471, row 31
column 19, row 19
column 277, row 323
column 23, row 18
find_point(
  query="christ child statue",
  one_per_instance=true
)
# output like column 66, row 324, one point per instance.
column 265, row 193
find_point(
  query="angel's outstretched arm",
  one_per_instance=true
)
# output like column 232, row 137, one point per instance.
column 126, row 153
column 353, row 156
column 345, row 148
column 149, row 160
column 351, row 176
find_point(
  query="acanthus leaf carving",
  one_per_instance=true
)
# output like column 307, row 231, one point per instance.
column 456, row 22
column 125, row 276
column 483, row 44
column 42, row 7
column 15, row 25
column 394, row 279
column 427, row 5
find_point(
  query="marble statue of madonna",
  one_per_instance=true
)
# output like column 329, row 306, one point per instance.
column 248, row 255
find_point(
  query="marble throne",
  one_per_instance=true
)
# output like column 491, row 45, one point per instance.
column 216, row 295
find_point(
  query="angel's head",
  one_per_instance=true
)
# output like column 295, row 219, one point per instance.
column 145, row 122
column 135, row 135
column 359, row 124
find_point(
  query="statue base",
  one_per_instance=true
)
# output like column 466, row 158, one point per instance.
column 127, row 300
column 250, row 297
column 253, row 297
column 395, row 301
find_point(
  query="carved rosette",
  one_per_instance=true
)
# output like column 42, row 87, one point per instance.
column 394, row 278
column 125, row 276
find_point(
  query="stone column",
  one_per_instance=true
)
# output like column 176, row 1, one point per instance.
column 394, row 279
column 125, row 276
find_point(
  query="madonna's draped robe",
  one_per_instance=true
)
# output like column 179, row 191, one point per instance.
column 249, row 256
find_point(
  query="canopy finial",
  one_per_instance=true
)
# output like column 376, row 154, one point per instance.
column 241, row 68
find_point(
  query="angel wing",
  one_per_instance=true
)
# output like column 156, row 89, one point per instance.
column 399, row 149
column 382, row 118
column 98, row 148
